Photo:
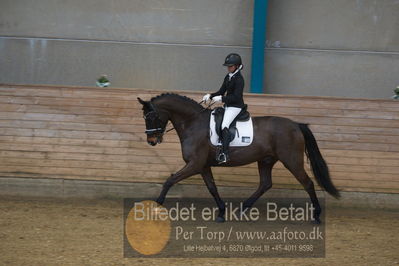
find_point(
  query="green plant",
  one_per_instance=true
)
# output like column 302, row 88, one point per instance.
column 103, row 79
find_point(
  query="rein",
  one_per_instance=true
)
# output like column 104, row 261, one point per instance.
column 182, row 122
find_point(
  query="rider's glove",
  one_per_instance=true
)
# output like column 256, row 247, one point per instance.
column 206, row 97
column 217, row 98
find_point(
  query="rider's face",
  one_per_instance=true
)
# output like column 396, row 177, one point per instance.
column 231, row 69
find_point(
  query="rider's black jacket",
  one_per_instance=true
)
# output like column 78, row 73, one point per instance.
column 234, row 88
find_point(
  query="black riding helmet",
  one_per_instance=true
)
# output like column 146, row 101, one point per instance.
column 232, row 60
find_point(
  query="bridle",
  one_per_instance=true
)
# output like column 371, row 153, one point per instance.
column 159, row 129
column 156, row 118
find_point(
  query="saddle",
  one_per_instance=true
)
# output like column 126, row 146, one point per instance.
column 242, row 116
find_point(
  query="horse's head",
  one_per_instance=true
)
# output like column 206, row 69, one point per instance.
column 155, row 122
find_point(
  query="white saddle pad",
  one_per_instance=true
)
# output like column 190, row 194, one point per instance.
column 243, row 137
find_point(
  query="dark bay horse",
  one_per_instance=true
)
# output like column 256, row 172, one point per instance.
column 275, row 139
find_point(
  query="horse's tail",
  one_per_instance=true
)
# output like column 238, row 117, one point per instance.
column 319, row 166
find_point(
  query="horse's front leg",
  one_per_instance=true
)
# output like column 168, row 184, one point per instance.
column 188, row 170
column 210, row 183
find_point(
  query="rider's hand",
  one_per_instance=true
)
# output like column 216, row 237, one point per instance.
column 217, row 98
column 206, row 97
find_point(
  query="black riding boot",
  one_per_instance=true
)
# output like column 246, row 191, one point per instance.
column 223, row 156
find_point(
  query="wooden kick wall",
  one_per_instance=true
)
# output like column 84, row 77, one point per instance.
column 98, row 134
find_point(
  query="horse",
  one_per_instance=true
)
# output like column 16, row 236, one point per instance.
column 275, row 139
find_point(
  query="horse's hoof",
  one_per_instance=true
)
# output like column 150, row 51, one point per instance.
column 316, row 221
column 220, row 219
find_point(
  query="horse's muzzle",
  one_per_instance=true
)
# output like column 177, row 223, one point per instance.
column 154, row 140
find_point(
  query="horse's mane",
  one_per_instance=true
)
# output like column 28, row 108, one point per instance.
column 178, row 96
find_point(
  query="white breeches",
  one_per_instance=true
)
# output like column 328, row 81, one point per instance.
column 229, row 114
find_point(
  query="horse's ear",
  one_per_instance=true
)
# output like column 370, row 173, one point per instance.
column 141, row 101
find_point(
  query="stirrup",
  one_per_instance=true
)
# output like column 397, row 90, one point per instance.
column 222, row 158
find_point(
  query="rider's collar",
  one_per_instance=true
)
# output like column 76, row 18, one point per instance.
column 235, row 72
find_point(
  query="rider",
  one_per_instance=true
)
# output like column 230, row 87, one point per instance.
column 233, row 83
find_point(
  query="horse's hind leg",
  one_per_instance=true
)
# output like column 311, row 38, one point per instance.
column 265, row 183
column 294, row 164
column 210, row 184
